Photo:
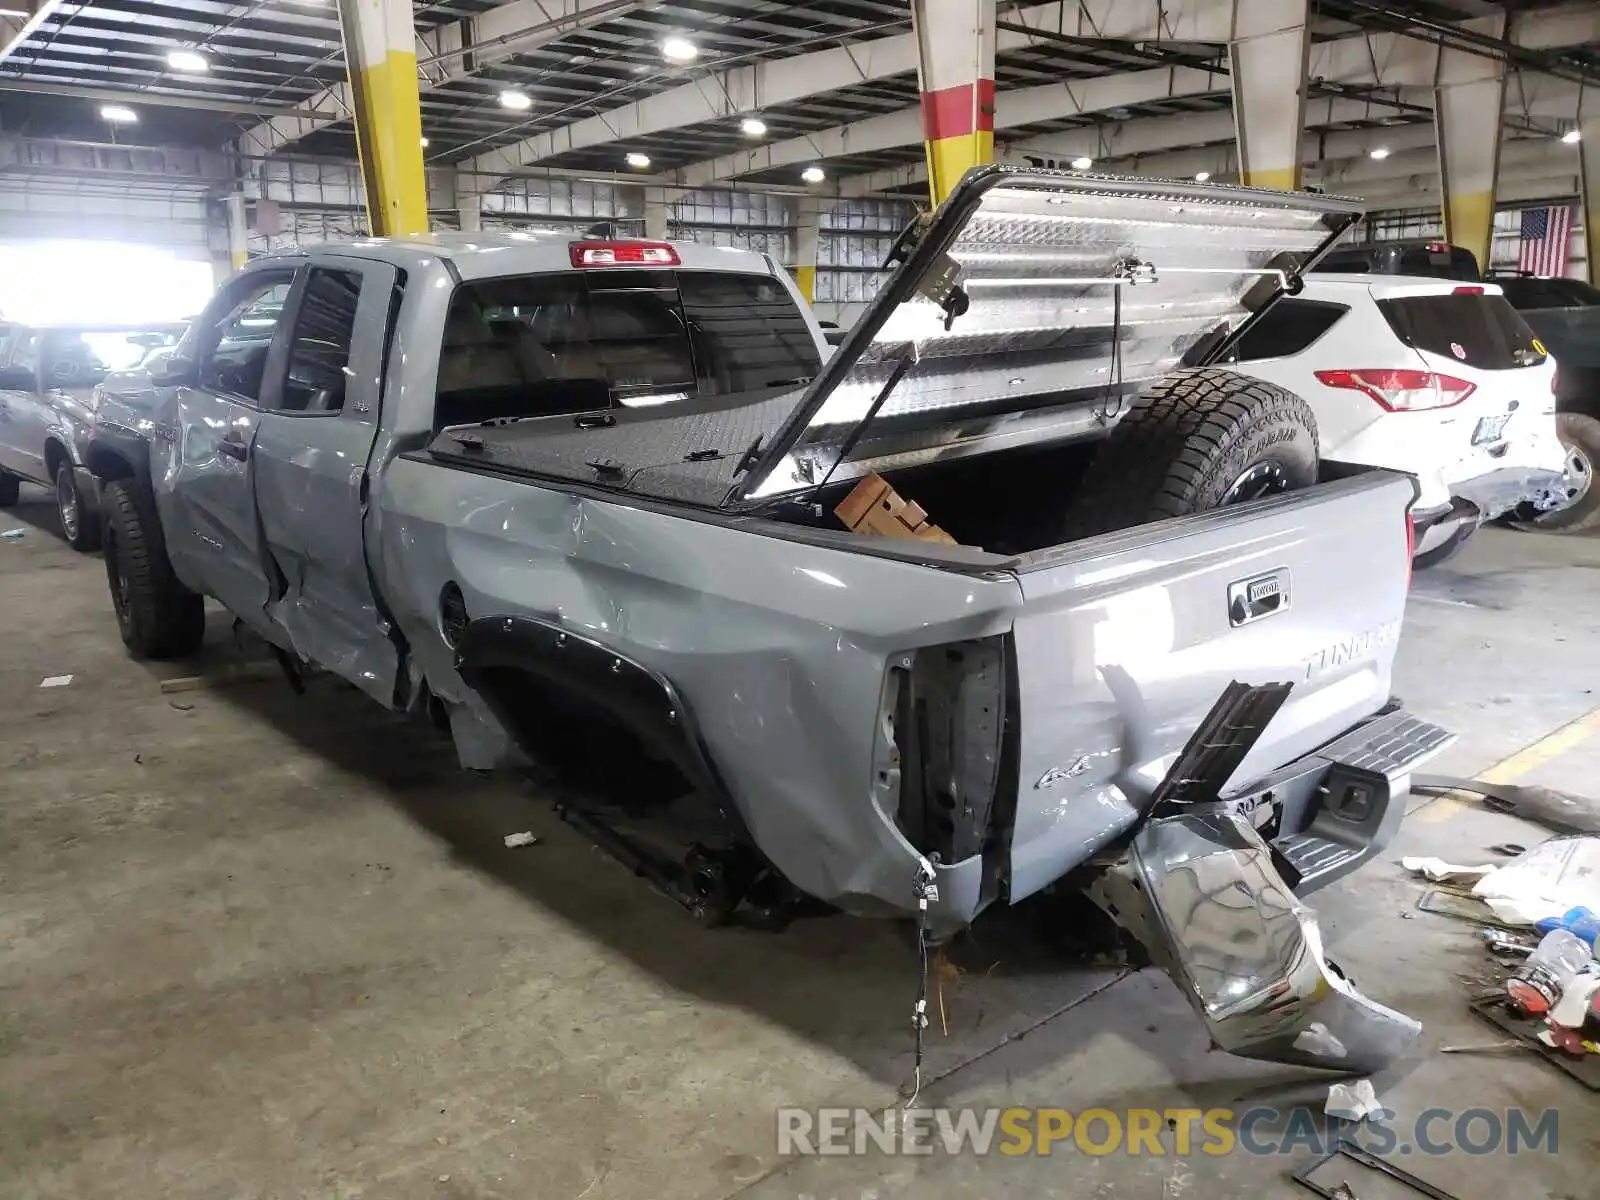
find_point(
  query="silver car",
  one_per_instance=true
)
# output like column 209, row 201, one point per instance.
column 48, row 377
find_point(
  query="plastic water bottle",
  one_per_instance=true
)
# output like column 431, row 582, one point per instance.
column 1538, row 983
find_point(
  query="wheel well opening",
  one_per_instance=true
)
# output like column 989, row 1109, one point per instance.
column 107, row 465
column 54, row 454
column 582, row 741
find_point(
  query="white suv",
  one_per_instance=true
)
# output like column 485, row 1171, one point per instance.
column 1434, row 377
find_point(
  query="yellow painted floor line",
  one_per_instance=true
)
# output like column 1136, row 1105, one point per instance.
column 1509, row 770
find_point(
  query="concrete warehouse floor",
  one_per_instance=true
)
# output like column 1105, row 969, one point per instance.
column 254, row 945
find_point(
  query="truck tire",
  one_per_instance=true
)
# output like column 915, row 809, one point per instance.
column 1193, row 441
column 157, row 616
column 10, row 489
column 1580, row 435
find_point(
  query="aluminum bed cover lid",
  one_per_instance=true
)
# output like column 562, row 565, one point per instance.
column 1030, row 287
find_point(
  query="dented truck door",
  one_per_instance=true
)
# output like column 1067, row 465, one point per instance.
column 310, row 472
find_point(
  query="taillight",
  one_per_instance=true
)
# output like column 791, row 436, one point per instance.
column 1469, row 291
column 1400, row 390
column 623, row 254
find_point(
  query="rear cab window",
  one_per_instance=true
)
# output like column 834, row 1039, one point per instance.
column 1469, row 326
column 573, row 342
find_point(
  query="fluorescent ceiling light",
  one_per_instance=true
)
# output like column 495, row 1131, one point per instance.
column 813, row 175
column 118, row 114
column 1378, row 152
column 515, row 100
column 1572, row 137
column 753, row 127
column 1201, row 176
column 679, row 50
column 638, row 161
column 1082, row 163
column 187, row 60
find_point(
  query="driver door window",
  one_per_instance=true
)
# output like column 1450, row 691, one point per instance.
column 319, row 354
column 237, row 361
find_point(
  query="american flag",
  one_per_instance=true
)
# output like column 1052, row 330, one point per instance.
column 1545, row 234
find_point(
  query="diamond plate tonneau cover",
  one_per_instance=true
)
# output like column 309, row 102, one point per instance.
column 1057, row 285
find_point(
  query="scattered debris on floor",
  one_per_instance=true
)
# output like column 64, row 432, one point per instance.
column 56, row 681
column 1353, row 1101
column 1342, row 1190
column 12, row 535
column 243, row 673
column 1561, row 812
column 517, row 840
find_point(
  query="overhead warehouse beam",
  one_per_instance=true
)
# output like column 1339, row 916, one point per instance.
column 1022, row 106
column 379, row 55
column 1467, row 105
column 723, row 95
column 955, row 73
column 16, row 29
column 154, row 99
column 1519, row 189
column 448, row 53
column 1267, row 62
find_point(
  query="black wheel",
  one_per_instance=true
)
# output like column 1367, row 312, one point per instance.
column 1446, row 549
column 1580, row 435
column 1194, row 441
column 81, row 532
column 157, row 616
column 10, row 489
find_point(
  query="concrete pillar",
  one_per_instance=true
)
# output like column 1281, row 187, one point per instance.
column 238, row 232
column 381, row 58
column 1589, row 174
column 955, row 69
column 808, row 230
column 658, row 204
column 1468, row 99
column 1267, row 62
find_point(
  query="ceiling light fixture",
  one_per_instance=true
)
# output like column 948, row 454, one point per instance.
column 1082, row 163
column 813, row 175
column 1378, row 152
column 1572, row 137
column 518, row 101
column 638, row 161
column 1201, row 176
column 188, row 61
column 118, row 114
column 679, row 50
column 753, row 127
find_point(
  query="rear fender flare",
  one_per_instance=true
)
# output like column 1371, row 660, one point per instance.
column 115, row 453
column 640, row 699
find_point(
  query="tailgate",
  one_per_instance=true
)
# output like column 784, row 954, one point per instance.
column 1124, row 642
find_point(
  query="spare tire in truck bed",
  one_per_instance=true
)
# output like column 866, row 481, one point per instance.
column 1193, row 441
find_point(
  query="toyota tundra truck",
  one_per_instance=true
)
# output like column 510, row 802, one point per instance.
column 1109, row 623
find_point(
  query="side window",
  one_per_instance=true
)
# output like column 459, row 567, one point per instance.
column 319, row 355
column 19, row 356
column 237, row 360
column 1288, row 327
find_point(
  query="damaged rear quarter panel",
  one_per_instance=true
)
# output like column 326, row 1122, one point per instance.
column 778, row 647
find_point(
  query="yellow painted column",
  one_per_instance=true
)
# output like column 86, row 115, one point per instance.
column 1589, row 175
column 955, row 68
column 1468, row 100
column 1267, row 57
column 238, row 232
column 808, row 231
column 381, row 57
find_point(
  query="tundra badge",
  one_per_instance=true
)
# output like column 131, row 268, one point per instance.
column 1252, row 599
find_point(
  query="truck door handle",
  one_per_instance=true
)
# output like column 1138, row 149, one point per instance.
column 233, row 445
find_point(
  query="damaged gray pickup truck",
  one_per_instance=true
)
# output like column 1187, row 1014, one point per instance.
column 577, row 501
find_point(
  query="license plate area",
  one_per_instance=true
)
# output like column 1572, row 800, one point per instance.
column 1490, row 429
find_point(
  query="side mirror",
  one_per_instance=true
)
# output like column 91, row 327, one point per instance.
column 173, row 371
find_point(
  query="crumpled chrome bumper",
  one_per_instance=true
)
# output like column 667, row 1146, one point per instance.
column 1200, row 891
column 1496, row 493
